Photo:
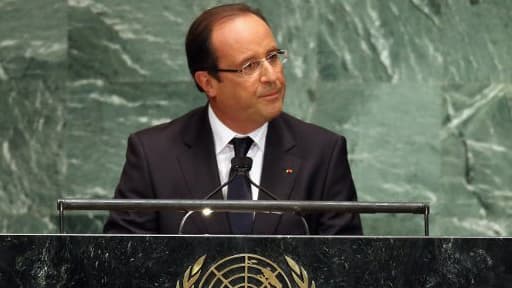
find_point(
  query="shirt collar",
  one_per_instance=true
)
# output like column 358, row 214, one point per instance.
column 222, row 134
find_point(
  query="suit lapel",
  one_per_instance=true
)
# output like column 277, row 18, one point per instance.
column 199, row 166
column 278, row 173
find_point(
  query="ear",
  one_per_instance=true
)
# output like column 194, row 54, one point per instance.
column 207, row 82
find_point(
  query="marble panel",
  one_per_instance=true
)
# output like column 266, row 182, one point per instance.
column 33, row 65
column 476, row 144
column 393, row 145
column 333, row 41
column 128, row 40
column 33, row 39
column 476, row 41
column 32, row 160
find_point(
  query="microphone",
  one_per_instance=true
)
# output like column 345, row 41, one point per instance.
column 241, row 166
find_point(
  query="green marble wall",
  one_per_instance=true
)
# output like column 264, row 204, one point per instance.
column 421, row 88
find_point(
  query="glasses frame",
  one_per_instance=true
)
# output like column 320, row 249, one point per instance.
column 259, row 61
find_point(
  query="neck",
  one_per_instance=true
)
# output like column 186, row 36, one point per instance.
column 239, row 126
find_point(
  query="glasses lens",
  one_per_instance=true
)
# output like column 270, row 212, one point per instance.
column 276, row 59
column 283, row 56
column 251, row 68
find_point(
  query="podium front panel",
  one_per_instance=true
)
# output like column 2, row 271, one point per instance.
column 236, row 261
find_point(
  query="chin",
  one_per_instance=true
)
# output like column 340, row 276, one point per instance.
column 274, row 111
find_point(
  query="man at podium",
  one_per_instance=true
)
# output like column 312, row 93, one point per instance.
column 235, row 61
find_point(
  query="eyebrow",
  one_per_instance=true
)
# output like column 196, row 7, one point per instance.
column 250, row 58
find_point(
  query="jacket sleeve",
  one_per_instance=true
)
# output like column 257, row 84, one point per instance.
column 135, row 183
column 339, row 186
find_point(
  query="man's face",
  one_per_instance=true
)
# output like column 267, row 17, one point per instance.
column 244, row 103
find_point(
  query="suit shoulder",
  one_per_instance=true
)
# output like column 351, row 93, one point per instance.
column 172, row 127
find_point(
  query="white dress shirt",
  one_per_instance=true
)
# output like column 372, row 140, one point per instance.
column 225, row 151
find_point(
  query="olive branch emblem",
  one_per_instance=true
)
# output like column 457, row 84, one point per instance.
column 299, row 274
column 192, row 274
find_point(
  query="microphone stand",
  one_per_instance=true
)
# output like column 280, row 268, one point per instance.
column 241, row 166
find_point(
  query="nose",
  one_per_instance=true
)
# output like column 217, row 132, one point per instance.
column 268, row 72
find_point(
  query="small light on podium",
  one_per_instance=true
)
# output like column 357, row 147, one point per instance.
column 207, row 211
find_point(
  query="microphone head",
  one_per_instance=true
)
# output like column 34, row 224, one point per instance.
column 241, row 165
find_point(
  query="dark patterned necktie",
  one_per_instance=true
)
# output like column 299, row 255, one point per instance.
column 240, row 189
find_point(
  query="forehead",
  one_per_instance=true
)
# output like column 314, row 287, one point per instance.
column 240, row 37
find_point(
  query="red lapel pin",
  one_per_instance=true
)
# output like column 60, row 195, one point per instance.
column 288, row 171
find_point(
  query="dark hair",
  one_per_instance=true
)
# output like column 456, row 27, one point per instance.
column 200, row 53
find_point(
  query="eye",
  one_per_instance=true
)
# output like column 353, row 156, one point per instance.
column 273, row 57
column 251, row 67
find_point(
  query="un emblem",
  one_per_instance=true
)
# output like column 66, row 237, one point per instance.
column 243, row 271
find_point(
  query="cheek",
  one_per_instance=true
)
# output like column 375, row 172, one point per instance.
column 282, row 80
column 249, row 93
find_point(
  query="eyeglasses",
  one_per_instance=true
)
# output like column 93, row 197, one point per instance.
column 276, row 59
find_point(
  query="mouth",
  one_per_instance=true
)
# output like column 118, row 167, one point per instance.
column 271, row 94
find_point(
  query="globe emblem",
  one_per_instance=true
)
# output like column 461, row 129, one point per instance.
column 244, row 271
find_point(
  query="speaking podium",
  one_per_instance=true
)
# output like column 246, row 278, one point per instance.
column 65, row 260
column 271, row 261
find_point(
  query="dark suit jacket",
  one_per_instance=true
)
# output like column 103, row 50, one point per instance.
column 176, row 160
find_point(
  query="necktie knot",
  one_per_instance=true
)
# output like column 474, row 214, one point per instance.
column 241, row 145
